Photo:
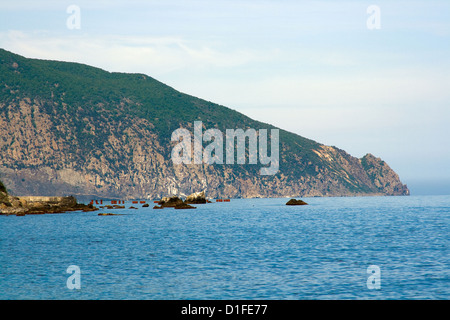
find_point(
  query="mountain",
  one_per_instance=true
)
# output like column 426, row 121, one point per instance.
column 69, row 128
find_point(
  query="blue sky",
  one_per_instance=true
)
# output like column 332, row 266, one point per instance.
column 310, row 67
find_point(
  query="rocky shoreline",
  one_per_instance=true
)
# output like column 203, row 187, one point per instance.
column 21, row 206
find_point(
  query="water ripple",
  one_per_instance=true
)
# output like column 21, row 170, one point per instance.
column 245, row 249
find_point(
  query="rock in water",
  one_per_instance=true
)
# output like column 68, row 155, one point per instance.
column 196, row 198
column 184, row 206
column 173, row 202
column 170, row 202
column 294, row 202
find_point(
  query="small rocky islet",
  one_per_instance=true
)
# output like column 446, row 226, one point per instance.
column 295, row 202
column 178, row 203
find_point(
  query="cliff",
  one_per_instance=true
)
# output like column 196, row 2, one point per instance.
column 68, row 128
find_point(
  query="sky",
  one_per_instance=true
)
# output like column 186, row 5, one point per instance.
column 364, row 76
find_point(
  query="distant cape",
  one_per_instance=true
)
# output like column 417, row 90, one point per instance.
column 73, row 129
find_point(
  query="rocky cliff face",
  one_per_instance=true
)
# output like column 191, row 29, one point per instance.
column 43, row 156
column 382, row 176
column 116, row 144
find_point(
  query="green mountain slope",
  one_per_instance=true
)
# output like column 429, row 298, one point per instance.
column 72, row 128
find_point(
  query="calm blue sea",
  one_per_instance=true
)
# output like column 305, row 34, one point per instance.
column 245, row 249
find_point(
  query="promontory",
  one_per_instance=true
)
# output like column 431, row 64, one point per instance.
column 69, row 128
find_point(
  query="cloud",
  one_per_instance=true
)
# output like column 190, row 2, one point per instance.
column 397, row 88
column 143, row 54
column 248, row 78
column 381, row 92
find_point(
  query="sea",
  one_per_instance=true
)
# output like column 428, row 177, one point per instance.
column 334, row 248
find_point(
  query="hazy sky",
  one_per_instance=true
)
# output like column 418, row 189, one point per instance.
column 333, row 71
